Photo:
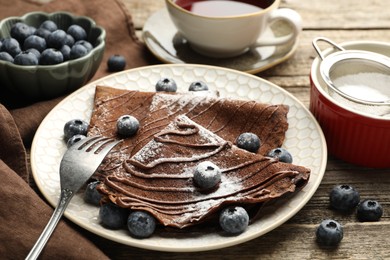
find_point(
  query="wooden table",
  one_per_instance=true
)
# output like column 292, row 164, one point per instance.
column 341, row 21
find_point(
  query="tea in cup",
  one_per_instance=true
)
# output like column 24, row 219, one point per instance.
column 227, row 28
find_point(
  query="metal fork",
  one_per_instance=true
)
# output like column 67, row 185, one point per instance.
column 78, row 164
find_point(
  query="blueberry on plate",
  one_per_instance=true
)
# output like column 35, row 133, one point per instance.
column 234, row 220
column 127, row 125
column 198, row 86
column 369, row 210
column 78, row 51
column 329, row 233
column 6, row 56
column 77, row 32
column 56, row 39
column 207, row 175
column 74, row 139
column 51, row 56
column 166, row 84
column 141, row 224
column 112, row 216
column 281, row 154
column 11, row 46
column 35, row 42
column 26, row 58
column 116, row 63
column 249, row 142
column 91, row 194
column 344, row 197
column 75, row 127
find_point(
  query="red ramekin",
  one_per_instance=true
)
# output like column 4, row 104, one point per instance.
column 353, row 136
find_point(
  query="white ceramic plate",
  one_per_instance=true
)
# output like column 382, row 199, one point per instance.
column 163, row 40
column 304, row 140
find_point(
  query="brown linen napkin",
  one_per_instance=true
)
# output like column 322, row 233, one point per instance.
column 23, row 214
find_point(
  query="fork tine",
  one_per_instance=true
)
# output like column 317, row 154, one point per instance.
column 107, row 146
column 84, row 142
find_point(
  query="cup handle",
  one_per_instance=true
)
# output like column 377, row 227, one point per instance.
column 288, row 15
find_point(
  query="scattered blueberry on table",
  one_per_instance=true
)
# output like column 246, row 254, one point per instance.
column 369, row 210
column 344, row 197
column 329, row 233
column 116, row 62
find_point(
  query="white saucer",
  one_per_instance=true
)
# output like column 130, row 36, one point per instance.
column 164, row 41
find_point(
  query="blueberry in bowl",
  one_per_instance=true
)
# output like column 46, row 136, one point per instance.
column 56, row 73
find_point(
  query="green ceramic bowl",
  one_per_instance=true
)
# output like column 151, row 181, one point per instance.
column 42, row 82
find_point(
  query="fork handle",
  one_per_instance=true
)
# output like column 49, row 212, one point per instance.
column 65, row 197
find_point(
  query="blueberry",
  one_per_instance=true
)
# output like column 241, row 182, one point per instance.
column 77, row 32
column 249, row 142
column 112, row 216
column 20, row 31
column 91, row 194
column 281, row 154
column 127, row 125
column 65, row 50
column 6, row 56
column 41, row 32
column 56, row 39
column 49, row 26
column 329, row 233
column 35, row 52
column 166, row 84
column 141, row 224
column 51, row 56
column 86, row 44
column 26, row 58
column 234, row 220
column 369, row 210
column 69, row 40
column 207, row 175
column 35, row 42
column 116, row 63
column 74, row 139
column 344, row 197
column 11, row 46
column 75, row 127
column 78, row 51
column 198, row 86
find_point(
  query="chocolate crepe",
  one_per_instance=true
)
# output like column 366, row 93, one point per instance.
column 159, row 176
column 152, row 170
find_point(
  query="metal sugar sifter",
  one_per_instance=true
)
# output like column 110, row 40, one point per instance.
column 360, row 79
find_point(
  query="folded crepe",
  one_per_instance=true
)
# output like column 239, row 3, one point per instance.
column 158, row 178
column 153, row 170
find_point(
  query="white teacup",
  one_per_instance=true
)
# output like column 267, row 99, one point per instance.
column 216, row 33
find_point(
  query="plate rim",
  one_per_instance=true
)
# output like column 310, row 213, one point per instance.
column 137, row 242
